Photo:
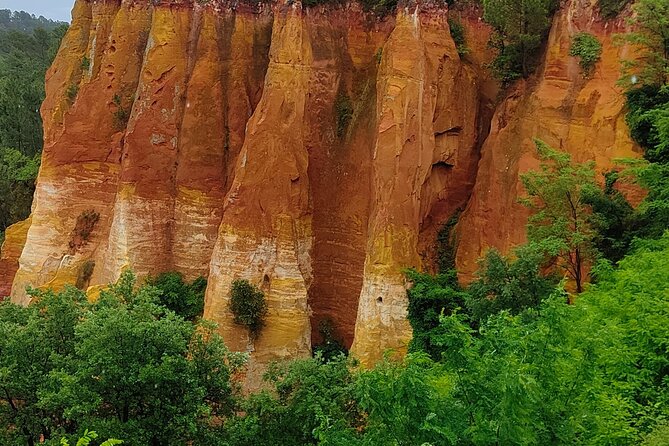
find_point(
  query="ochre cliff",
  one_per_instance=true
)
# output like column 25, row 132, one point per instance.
column 582, row 116
column 314, row 152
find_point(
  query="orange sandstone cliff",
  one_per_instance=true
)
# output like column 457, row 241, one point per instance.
column 314, row 152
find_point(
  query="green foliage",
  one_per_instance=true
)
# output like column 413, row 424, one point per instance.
column 651, row 217
column 24, row 58
column 520, row 27
column 72, row 92
column 459, row 36
column 185, row 299
column 447, row 244
column 124, row 366
column 89, row 436
column 23, row 22
column 85, row 63
column 408, row 403
column 379, row 7
column 121, row 114
column 343, row 113
column 587, row 48
column 610, row 9
column 332, row 347
column 613, row 218
column 307, row 397
column 651, row 38
column 561, row 225
column 648, row 120
column 512, row 285
column 17, row 185
column 659, row 436
column 248, row 305
column 429, row 298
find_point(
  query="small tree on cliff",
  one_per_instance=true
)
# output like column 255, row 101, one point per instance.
column 248, row 305
column 561, row 225
column 520, row 26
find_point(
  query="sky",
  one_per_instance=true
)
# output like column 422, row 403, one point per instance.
column 51, row 9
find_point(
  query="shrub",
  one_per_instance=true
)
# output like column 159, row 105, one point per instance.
column 186, row 300
column 88, row 437
column 248, row 305
column 122, row 114
column 379, row 7
column 72, row 92
column 587, row 48
column 85, row 63
column 430, row 297
column 447, row 244
column 332, row 347
column 343, row 113
column 520, row 28
column 458, row 35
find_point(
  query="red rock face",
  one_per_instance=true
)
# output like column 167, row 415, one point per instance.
column 584, row 117
column 315, row 153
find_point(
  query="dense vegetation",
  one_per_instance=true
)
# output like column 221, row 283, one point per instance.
column 528, row 354
column 124, row 366
column 520, row 28
column 25, row 22
column 26, row 51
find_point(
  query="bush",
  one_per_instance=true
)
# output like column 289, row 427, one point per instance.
column 447, row 244
column 587, row 48
column 332, row 347
column 186, row 300
column 72, row 92
column 248, row 305
column 458, row 35
column 343, row 113
column 509, row 285
column 122, row 114
column 430, row 297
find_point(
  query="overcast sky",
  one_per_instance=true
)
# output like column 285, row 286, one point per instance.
column 51, row 9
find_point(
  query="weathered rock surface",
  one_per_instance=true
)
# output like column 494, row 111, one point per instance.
column 582, row 116
column 12, row 246
column 314, row 152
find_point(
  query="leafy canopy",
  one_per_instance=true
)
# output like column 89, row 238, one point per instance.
column 561, row 225
column 124, row 366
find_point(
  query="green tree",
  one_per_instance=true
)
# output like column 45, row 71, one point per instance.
column 303, row 396
column 185, row 299
column 17, row 185
column 506, row 284
column 248, row 305
column 124, row 366
column 561, row 225
column 520, row 26
column 651, row 36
